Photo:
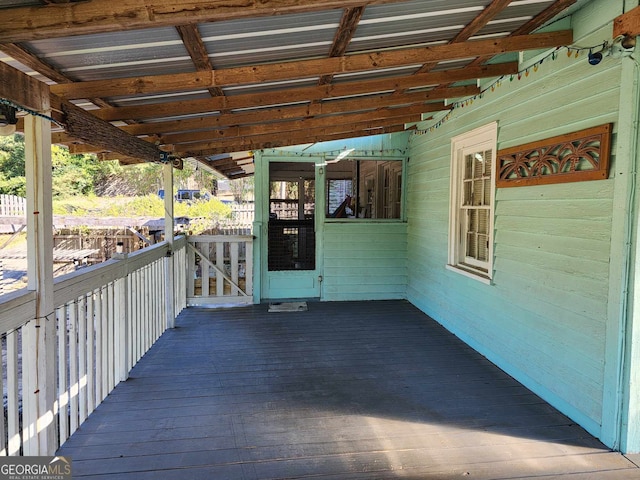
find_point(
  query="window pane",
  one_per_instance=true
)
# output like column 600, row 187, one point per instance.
column 468, row 193
column 483, row 221
column 487, row 163
column 471, row 245
column 478, row 192
column 487, row 192
column 468, row 169
column 363, row 189
column 478, row 165
column 483, row 251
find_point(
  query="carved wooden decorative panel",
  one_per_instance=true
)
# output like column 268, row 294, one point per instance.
column 574, row 157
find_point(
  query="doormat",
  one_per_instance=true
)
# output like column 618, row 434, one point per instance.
column 288, row 307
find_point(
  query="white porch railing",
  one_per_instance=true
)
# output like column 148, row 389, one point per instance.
column 106, row 318
column 219, row 269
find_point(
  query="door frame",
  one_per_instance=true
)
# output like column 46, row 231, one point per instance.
column 263, row 289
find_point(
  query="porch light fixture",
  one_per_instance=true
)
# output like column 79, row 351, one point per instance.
column 621, row 46
column 8, row 120
column 595, row 57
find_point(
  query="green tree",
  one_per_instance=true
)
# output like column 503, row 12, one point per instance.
column 12, row 174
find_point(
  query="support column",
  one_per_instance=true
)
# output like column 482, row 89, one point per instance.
column 39, row 338
column 169, row 265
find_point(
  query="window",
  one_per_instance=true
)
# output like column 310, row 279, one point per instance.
column 364, row 189
column 472, row 202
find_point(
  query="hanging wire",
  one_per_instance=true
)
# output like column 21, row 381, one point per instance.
column 572, row 51
column 5, row 101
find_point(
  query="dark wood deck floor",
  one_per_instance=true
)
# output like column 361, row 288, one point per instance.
column 370, row 390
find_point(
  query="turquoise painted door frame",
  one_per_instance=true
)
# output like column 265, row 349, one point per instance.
column 287, row 284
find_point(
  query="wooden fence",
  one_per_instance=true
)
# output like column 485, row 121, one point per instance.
column 106, row 317
column 13, row 206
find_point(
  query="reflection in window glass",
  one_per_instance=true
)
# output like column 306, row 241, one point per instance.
column 364, row 189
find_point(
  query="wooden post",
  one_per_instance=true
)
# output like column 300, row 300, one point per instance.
column 40, row 333
column 168, row 236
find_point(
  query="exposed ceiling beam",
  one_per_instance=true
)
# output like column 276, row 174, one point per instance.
column 473, row 27
column 479, row 22
column 309, row 68
column 269, row 141
column 536, row 22
column 23, row 90
column 348, row 25
column 543, row 17
column 80, row 124
column 371, row 119
column 302, row 111
column 21, row 24
column 304, row 93
column 197, row 51
column 28, row 59
column 627, row 24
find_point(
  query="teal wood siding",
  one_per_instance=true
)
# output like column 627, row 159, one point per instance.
column 544, row 318
column 365, row 261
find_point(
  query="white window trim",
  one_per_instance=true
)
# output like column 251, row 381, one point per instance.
column 482, row 138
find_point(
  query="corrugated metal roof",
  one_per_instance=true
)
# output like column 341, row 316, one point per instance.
column 270, row 39
column 115, row 55
column 413, row 23
column 264, row 41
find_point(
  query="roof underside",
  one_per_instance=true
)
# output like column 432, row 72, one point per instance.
column 206, row 79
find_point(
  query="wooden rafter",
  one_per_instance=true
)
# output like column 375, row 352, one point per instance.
column 348, row 25
column 82, row 125
column 268, row 141
column 494, row 8
column 308, row 68
column 23, row 90
column 627, row 24
column 197, row 51
column 28, row 59
column 302, row 111
column 304, row 93
column 375, row 118
column 543, row 17
column 536, row 22
column 22, row 24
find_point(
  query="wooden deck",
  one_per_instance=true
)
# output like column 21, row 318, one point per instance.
column 356, row 390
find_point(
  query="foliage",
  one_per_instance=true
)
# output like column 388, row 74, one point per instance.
column 12, row 174
column 203, row 213
column 72, row 174
column 242, row 188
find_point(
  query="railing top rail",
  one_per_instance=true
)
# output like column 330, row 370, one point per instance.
column 219, row 238
column 16, row 309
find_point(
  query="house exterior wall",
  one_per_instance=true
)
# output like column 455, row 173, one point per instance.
column 365, row 260
column 358, row 259
column 550, row 316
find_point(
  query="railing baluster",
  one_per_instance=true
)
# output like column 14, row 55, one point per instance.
column 234, row 267
column 82, row 361
column 13, row 401
column 91, row 363
column 63, row 384
column 100, row 335
column 105, row 342
column 73, row 368
column 99, row 346
column 3, row 432
column 110, row 337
